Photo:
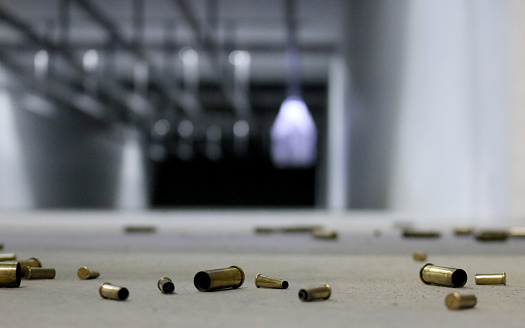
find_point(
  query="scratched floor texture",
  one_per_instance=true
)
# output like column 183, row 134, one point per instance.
column 374, row 279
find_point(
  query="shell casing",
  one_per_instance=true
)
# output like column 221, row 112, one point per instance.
column 491, row 279
column 411, row 233
column 107, row 290
column 84, row 273
column 232, row 277
column 32, row 262
column 300, row 229
column 140, row 229
column 267, row 282
column 1, row 245
column 455, row 301
column 464, row 231
column 419, row 256
column 10, row 274
column 7, row 257
column 315, row 293
column 517, row 232
column 265, row 230
column 324, row 234
column 442, row 276
column 166, row 285
column 40, row 273
column 492, row 235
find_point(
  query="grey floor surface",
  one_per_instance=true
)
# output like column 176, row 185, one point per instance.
column 373, row 276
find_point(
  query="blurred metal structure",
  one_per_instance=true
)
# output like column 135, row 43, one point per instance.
column 108, row 89
column 120, row 38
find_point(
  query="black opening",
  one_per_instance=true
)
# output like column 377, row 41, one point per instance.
column 285, row 284
column 168, row 287
column 123, row 293
column 459, row 278
column 303, row 295
column 202, row 281
column 18, row 274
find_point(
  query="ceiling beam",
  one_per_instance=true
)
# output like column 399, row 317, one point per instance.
column 108, row 86
column 207, row 42
column 168, row 88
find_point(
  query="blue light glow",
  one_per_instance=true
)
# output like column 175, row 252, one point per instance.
column 294, row 135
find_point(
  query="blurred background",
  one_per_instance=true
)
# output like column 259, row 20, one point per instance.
column 407, row 106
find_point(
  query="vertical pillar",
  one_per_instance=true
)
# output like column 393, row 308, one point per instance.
column 337, row 163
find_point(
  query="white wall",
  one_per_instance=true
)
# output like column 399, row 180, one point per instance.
column 518, row 111
column 14, row 184
column 437, row 108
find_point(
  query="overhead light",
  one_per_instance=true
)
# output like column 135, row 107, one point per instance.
column 41, row 64
column 162, row 127
column 241, row 129
column 189, row 56
column 185, row 129
column 239, row 58
column 190, row 69
column 90, row 60
column 294, row 135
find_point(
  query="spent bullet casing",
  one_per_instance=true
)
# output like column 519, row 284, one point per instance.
column 40, row 273
column 491, row 279
column 411, row 233
column 443, row 276
column 232, row 277
column 84, row 273
column 267, row 282
column 455, row 301
column 166, row 285
column 300, row 229
column 419, row 256
column 7, row 257
column 517, row 232
column 492, row 235
column 315, row 293
column 10, row 274
column 139, row 229
column 32, row 262
column 464, row 231
column 324, row 234
column 107, row 290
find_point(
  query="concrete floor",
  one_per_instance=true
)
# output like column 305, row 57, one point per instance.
column 374, row 279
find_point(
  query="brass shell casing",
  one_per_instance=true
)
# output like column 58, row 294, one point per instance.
column 517, row 232
column 289, row 229
column 324, row 234
column 232, row 277
column 166, row 285
column 464, row 231
column 140, row 229
column 455, row 301
column 10, row 274
column 492, row 235
column 7, row 257
column 300, row 229
column 84, row 273
column 40, row 273
column 267, row 282
column 491, row 279
column 315, row 293
column 32, row 262
column 411, row 233
column 419, row 256
column 443, row 276
column 265, row 230
column 107, row 290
